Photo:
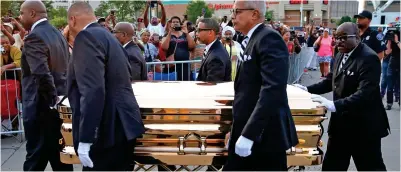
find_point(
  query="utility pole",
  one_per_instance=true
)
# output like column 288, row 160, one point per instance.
column 301, row 9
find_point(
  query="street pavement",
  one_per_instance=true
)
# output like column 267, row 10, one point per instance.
column 13, row 151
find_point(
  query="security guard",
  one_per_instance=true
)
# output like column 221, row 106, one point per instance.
column 369, row 36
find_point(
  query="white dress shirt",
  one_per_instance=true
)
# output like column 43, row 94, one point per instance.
column 88, row 25
column 207, row 48
column 126, row 44
column 37, row 22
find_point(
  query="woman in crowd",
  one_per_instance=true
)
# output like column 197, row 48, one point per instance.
column 70, row 39
column 291, row 41
column 150, row 53
column 178, row 43
column 233, row 48
column 325, row 52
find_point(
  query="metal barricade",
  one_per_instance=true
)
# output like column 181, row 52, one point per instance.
column 11, row 105
column 173, row 70
column 297, row 66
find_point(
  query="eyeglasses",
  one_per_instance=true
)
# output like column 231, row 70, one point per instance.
column 202, row 29
column 343, row 38
column 236, row 11
column 115, row 31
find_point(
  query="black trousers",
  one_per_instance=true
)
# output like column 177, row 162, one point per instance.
column 257, row 161
column 117, row 158
column 365, row 152
column 42, row 144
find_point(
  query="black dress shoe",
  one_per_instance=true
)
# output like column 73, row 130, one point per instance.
column 389, row 107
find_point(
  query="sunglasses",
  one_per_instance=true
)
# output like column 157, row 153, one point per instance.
column 202, row 29
column 343, row 38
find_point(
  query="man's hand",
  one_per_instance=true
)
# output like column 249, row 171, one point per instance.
column 83, row 154
column 13, row 21
column 396, row 38
column 243, row 146
column 3, row 69
column 184, row 29
column 329, row 105
column 301, row 87
column 3, row 29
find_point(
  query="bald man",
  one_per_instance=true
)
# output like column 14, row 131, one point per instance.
column 44, row 65
column 124, row 32
column 357, row 112
column 106, row 116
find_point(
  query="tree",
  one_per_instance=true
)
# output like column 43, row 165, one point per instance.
column 269, row 15
column 59, row 22
column 124, row 9
column 194, row 9
column 343, row 20
column 58, row 12
column 49, row 7
column 5, row 6
column 102, row 9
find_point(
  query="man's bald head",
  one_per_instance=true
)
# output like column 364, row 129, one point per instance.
column 124, row 32
column 125, row 27
column 80, row 8
column 347, row 37
column 32, row 11
column 80, row 14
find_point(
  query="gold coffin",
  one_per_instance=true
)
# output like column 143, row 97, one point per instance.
column 186, row 124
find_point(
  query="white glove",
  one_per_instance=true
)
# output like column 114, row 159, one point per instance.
column 324, row 102
column 83, row 154
column 243, row 146
column 301, row 87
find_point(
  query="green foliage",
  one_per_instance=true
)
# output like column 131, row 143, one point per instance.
column 59, row 22
column 269, row 15
column 194, row 9
column 5, row 6
column 353, row 20
column 124, row 9
column 343, row 20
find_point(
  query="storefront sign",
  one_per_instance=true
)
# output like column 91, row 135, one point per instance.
column 298, row 1
column 230, row 6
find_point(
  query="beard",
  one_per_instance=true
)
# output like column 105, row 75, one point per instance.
column 361, row 26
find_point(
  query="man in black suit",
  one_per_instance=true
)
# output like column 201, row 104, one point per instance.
column 44, row 65
column 358, row 116
column 216, row 63
column 263, row 128
column 124, row 32
column 106, row 116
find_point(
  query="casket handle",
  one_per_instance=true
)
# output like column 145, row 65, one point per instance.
column 201, row 143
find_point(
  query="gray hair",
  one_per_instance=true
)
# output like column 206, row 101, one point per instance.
column 211, row 24
column 259, row 5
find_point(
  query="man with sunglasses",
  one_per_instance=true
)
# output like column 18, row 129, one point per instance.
column 216, row 64
column 263, row 128
column 124, row 32
column 357, row 112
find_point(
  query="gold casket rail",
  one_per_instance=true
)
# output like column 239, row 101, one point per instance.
column 186, row 124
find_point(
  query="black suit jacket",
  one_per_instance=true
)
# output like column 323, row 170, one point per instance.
column 44, row 67
column 356, row 93
column 137, row 62
column 260, row 109
column 217, row 64
column 104, row 109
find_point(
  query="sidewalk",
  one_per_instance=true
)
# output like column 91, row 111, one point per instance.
column 13, row 152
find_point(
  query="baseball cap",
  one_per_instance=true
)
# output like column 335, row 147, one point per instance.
column 9, row 25
column 321, row 28
column 364, row 14
column 326, row 30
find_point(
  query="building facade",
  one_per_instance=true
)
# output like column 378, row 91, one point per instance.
column 285, row 11
column 66, row 3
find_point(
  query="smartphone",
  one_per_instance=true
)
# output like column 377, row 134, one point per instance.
column 140, row 20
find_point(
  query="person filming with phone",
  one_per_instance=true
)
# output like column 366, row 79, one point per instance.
column 178, row 43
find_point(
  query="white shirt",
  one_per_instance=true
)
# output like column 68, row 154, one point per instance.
column 159, row 29
column 37, row 22
column 126, row 44
column 250, row 33
column 348, row 55
column 88, row 25
column 208, row 47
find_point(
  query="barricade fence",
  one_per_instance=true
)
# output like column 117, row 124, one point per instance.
column 11, row 104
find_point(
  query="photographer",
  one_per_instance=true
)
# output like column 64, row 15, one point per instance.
column 291, row 41
column 393, row 70
column 177, row 44
column 312, row 36
column 155, row 26
column 10, row 58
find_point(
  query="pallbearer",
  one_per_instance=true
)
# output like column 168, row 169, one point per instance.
column 263, row 128
column 106, row 116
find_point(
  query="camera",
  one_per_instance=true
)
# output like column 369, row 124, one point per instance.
column 177, row 28
column 390, row 33
column 6, row 19
column 3, row 51
column 153, row 4
column 112, row 12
